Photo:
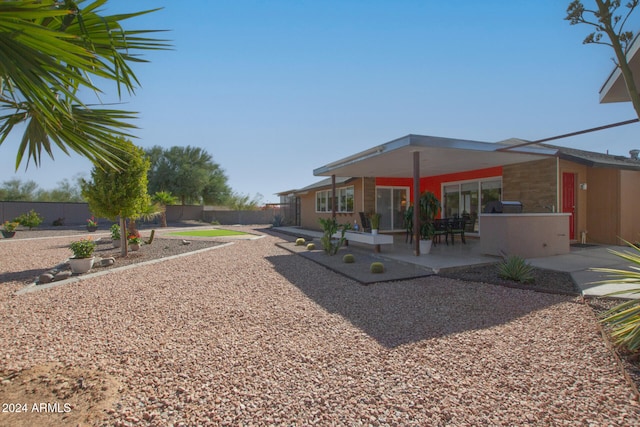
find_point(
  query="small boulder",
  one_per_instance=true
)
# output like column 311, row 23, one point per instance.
column 105, row 262
column 62, row 275
column 45, row 278
column 186, row 242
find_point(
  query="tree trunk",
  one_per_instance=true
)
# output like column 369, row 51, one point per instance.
column 123, row 237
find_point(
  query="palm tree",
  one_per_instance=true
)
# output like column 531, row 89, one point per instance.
column 52, row 51
column 164, row 199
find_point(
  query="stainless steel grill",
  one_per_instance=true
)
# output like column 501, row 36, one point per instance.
column 503, row 206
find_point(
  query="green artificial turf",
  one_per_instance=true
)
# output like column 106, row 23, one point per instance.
column 216, row 232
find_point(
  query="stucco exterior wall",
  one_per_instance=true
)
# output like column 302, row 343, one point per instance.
column 603, row 211
column 534, row 184
column 525, row 235
column 630, row 209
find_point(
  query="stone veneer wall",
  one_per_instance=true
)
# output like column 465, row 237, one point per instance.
column 532, row 183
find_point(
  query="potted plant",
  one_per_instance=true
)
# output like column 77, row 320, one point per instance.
column 115, row 235
column 82, row 259
column 9, row 229
column 92, row 224
column 374, row 217
column 429, row 209
column 408, row 223
column 134, row 240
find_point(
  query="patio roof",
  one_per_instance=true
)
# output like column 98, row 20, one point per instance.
column 438, row 156
column 615, row 89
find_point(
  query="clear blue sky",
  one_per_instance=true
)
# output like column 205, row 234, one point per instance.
column 273, row 89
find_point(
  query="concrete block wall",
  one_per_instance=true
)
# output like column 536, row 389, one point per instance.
column 78, row 213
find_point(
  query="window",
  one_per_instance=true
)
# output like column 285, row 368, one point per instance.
column 344, row 196
column 468, row 199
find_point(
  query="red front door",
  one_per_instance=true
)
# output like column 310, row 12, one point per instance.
column 569, row 201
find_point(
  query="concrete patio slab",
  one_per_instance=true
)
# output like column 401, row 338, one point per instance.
column 579, row 263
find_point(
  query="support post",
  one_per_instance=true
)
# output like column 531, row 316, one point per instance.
column 416, row 204
column 333, row 196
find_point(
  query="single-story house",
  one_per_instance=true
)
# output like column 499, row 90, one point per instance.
column 599, row 191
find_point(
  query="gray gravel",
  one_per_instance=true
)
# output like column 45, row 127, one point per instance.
column 250, row 334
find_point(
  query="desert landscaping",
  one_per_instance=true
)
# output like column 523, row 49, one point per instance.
column 251, row 334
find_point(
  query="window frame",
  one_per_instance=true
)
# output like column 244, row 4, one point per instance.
column 325, row 199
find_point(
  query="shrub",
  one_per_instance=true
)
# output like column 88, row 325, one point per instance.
column 10, row 226
column 300, row 241
column 83, row 248
column 115, row 232
column 30, row 219
column 624, row 319
column 311, row 246
column 349, row 259
column 376, row 267
column 134, row 238
column 515, row 268
column 330, row 227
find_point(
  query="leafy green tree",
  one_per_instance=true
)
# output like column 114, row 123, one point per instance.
column 15, row 190
column 164, row 199
column 53, row 51
column 606, row 22
column 216, row 190
column 188, row 173
column 243, row 202
column 64, row 192
column 120, row 193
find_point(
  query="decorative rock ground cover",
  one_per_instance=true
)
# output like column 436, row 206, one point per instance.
column 251, row 334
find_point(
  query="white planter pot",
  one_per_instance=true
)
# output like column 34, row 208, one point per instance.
column 116, row 243
column 425, row 246
column 374, row 231
column 134, row 246
column 81, row 265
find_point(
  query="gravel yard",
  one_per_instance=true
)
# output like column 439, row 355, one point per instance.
column 250, row 334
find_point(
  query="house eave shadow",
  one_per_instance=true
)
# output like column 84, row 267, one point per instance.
column 409, row 311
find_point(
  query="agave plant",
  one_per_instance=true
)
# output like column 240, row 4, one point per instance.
column 624, row 319
column 516, row 268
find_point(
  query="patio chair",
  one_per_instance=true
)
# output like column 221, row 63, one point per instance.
column 441, row 228
column 457, row 226
column 366, row 224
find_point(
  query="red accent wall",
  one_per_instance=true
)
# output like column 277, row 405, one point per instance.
column 434, row 183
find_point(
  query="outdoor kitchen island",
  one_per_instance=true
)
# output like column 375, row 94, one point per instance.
column 529, row 235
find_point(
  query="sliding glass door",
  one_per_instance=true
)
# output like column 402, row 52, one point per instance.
column 391, row 203
column 468, row 199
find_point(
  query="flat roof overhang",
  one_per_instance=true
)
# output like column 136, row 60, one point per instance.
column 615, row 89
column 438, row 156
